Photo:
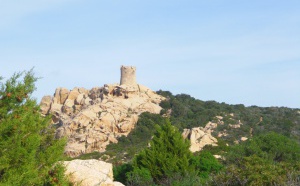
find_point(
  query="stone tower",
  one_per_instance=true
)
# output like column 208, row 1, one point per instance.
column 128, row 75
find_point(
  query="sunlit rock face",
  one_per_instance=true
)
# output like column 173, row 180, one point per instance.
column 199, row 136
column 91, row 119
column 90, row 173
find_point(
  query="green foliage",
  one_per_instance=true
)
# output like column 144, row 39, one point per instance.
column 188, row 179
column 92, row 155
column 27, row 143
column 56, row 176
column 139, row 177
column 169, row 161
column 220, row 149
column 188, row 112
column 205, row 164
column 254, row 170
column 271, row 146
column 120, row 172
column 168, row 154
column 267, row 159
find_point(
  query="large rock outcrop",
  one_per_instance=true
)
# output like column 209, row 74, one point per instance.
column 91, row 119
column 90, row 173
column 199, row 136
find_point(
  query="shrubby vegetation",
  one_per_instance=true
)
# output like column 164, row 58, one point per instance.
column 168, row 154
column 28, row 150
column 269, row 157
column 168, row 161
column 188, row 112
column 155, row 153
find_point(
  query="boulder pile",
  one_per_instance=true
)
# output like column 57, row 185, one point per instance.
column 91, row 119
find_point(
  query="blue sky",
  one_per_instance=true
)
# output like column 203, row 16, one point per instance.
column 229, row 51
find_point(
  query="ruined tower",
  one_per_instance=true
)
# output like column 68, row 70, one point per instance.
column 128, row 75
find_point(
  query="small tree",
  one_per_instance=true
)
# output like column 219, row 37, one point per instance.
column 28, row 149
column 167, row 155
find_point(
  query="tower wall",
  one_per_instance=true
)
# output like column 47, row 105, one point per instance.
column 128, row 76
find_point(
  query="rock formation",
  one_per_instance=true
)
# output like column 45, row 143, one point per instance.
column 91, row 119
column 90, row 173
column 199, row 136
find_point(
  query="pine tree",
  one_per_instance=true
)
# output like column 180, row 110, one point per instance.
column 28, row 149
column 167, row 155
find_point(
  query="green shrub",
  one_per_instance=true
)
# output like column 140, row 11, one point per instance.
column 121, row 171
column 139, row 177
column 205, row 164
column 168, row 153
column 269, row 159
column 270, row 146
column 56, row 176
column 28, row 146
column 187, row 179
column 253, row 171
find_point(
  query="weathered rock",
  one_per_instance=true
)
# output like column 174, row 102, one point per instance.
column 73, row 94
column 218, row 156
column 199, row 137
column 95, row 92
column 56, row 98
column 80, row 99
column 91, row 119
column 244, row 138
column 68, row 107
column 235, row 126
column 90, row 173
column 222, row 133
column 61, row 95
column 45, row 104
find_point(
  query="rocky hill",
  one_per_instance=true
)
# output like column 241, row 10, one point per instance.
column 205, row 123
column 91, row 119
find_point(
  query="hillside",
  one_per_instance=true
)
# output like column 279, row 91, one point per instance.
column 270, row 157
column 234, row 121
column 93, row 119
column 233, row 124
column 152, row 138
column 157, row 138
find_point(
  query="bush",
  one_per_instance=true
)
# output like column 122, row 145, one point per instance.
column 168, row 154
column 120, row 172
column 187, row 179
column 56, row 176
column 139, row 177
column 27, row 143
column 270, row 146
column 205, row 164
column 251, row 170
